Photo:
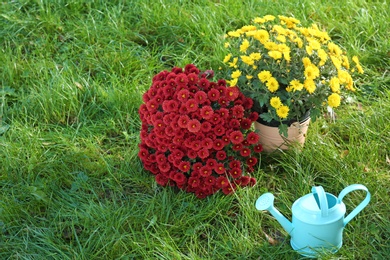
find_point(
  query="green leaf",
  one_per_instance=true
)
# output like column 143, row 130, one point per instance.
column 266, row 117
column 314, row 114
column 283, row 130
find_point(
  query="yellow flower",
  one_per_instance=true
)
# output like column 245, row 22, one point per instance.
column 244, row 46
column 309, row 85
column 282, row 111
column 233, row 63
column 227, row 58
column 290, row 22
column 296, row 85
column 323, row 57
column 345, row 62
column 226, row 45
column 248, row 28
column 336, row 62
column 281, row 38
column 311, row 72
column 269, row 17
column 306, row 62
column 334, row 100
column 255, row 56
column 247, row 60
column 234, row 34
column 270, row 46
column 236, row 74
column 334, row 49
column 276, row 55
column 233, row 82
column 309, row 50
column 357, row 63
column 264, row 75
column 262, row 36
column 249, row 76
column 286, row 55
column 314, row 44
column 259, row 20
column 275, row 102
column 334, row 84
column 272, row 84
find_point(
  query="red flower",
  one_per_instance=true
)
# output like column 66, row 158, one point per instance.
column 251, row 161
column 206, row 112
column 219, row 130
column 211, row 163
column 232, row 93
column 180, row 178
column 210, row 180
column 207, row 143
column 218, row 144
column 193, row 126
column 229, row 189
column 237, row 147
column 245, row 152
column 221, row 155
column 246, row 123
column 219, row 168
column 213, row 94
column 234, row 124
column 200, row 97
column 183, row 121
column 184, row 166
column 243, row 181
column 252, row 138
column 203, row 153
column 143, row 154
column 194, row 182
column 161, row 179
column 204, row 84
column 234, row 164
column 222, row 182
column 258, row 148
column 205, row 171
column 181, row 80
column 223, row 113
column 191, row 105
column 197, row 166
column 192, row 78
column 253, row 116
column 248, row 103
column 236, row 137
column 183, row 95
column 238, row 111
column 235, row 172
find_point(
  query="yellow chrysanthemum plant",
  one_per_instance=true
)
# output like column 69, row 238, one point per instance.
column 288, row 69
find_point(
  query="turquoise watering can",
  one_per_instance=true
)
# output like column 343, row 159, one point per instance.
column 317, row 219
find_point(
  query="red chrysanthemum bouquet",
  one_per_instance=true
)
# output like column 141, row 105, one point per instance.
column 196, row 133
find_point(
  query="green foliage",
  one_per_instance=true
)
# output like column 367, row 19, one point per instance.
column 72, row 76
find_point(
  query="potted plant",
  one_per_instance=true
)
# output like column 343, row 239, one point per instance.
column 290, row 71
column 196, row 133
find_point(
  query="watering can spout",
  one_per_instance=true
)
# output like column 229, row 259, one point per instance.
column 266, row 202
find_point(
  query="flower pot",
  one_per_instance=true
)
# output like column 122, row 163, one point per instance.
column 271, row 140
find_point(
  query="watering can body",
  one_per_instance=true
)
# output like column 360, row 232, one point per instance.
column 318, row 219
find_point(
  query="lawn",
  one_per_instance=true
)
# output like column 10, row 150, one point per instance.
column 71, row 183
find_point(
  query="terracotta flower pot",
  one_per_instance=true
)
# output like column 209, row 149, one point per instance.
column 271, row 140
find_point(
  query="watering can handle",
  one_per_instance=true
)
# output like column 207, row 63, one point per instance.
column 362, row 204
column 322, row 200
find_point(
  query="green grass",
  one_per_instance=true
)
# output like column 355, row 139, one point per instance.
column 72, row 187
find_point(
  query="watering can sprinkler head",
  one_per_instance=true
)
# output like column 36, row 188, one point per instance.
column 265, row 202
